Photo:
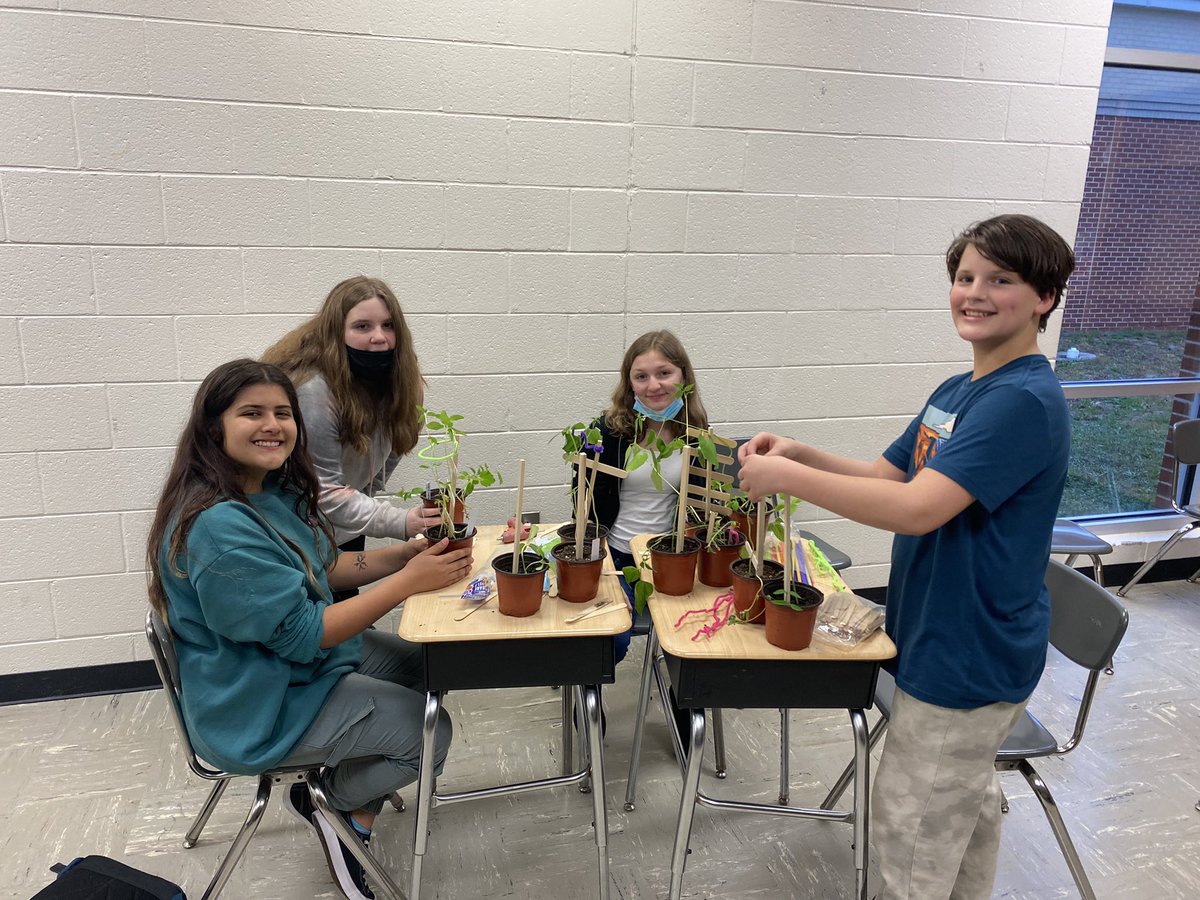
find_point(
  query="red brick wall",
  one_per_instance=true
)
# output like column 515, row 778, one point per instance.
column 1138, row 242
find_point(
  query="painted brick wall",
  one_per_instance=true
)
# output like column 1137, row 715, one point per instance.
column 540, row 180
column 1138, row 242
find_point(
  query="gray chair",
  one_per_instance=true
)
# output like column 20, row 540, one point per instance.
column 162, row 649
column 1185, row 438
column 1073, row 540
column 1086, row 626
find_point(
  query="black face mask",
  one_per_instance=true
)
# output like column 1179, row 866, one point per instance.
column 373, row 366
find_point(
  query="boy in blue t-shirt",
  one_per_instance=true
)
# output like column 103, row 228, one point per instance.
column 971, row 490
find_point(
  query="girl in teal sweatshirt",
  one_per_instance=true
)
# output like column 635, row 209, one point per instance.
column 242, row 564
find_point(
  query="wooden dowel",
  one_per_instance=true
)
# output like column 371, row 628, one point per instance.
column 787, row 546
column 760, row 531
column 681, row 513
column 580, row 504
column 517, row 528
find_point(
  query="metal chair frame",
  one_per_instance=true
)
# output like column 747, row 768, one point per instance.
column 1185, row 438
column 1072, row 540
column 162, row 650
column 1087, row 625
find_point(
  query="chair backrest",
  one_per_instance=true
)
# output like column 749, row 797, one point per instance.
column 1185, row 438
column 1087, row 622
column 162, row 649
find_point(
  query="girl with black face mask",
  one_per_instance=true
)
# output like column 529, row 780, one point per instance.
column 359, row 385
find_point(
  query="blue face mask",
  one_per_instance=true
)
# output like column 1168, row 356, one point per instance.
column 661, row 415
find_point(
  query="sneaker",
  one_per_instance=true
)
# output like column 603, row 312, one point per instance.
column 299, row 803
column 345, row 868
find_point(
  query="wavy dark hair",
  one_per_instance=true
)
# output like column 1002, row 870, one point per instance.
column 1024, row 245
column 202, row 474
column 318, row 346
column 620, row 415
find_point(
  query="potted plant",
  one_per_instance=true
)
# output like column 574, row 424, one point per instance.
column 720, row 546
column 451, row 485
column 792, row 602
column 579, row 557
column 520, row 588
column 791, row 614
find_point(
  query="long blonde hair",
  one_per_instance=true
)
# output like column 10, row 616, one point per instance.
column 319, row 347
column 620, row 415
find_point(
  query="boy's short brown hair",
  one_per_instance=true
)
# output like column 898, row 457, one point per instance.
column 1023, row 245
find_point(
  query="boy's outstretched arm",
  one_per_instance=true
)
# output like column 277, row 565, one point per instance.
column 881, row 500
column 766, row 444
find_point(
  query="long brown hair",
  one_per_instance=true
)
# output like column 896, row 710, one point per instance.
column 620, row 415
column 319, row 347
column 203, row 475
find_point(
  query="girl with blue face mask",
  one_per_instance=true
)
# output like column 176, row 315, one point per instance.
column 646, row 401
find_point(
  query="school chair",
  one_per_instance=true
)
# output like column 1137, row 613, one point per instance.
column 1086, row 626
column 162, row 649
column 1185, row 439
column 1073, row 540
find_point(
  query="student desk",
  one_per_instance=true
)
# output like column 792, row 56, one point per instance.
column 489, row 650
column 738, row 668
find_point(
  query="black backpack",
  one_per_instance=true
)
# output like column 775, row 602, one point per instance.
column 101, row 878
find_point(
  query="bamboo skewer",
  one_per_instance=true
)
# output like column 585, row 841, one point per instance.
column 517, row 528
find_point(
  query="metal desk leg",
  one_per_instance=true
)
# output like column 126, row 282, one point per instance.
column 433, row 703
column 862, row 802
column 687, row 803
column 568, row 729
column 639, row 724
column 718, row 730
column 585, row 747
column 591, row 706
column 785, row 745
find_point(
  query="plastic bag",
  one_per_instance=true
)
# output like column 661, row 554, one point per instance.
column 848, row 619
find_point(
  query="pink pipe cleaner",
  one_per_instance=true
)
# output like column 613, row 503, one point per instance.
column 720, row 611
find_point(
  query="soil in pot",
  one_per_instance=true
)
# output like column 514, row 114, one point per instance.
column 463, row 536
column 520, row 592
column 674, row 573
column 788, row 628
column 578, row 579
column 747, row 588
column 715, row 561
column 431, row 500
column 567, row 533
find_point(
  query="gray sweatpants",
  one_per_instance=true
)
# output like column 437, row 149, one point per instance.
column 369, row 730
column 936, row 809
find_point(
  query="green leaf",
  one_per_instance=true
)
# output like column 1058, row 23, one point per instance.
column 641, row 595
column 708, row 449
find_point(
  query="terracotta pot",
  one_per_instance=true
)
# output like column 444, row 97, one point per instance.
column 674, row 573
column 578, row 580
column 567, row 533
column 464, row 536
column 520, row 593
column 432, row 500
column 747, row 588
column 715, row 562
column 787, row 628
column 747, row 521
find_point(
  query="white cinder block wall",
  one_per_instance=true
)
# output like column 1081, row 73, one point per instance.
column 539, row 180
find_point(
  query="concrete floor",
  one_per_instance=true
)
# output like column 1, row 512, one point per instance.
column 103, row 775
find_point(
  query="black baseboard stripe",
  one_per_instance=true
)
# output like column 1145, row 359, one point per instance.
column 84, row 681
column 120, row 678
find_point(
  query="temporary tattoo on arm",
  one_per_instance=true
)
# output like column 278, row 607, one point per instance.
column 360, row 560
